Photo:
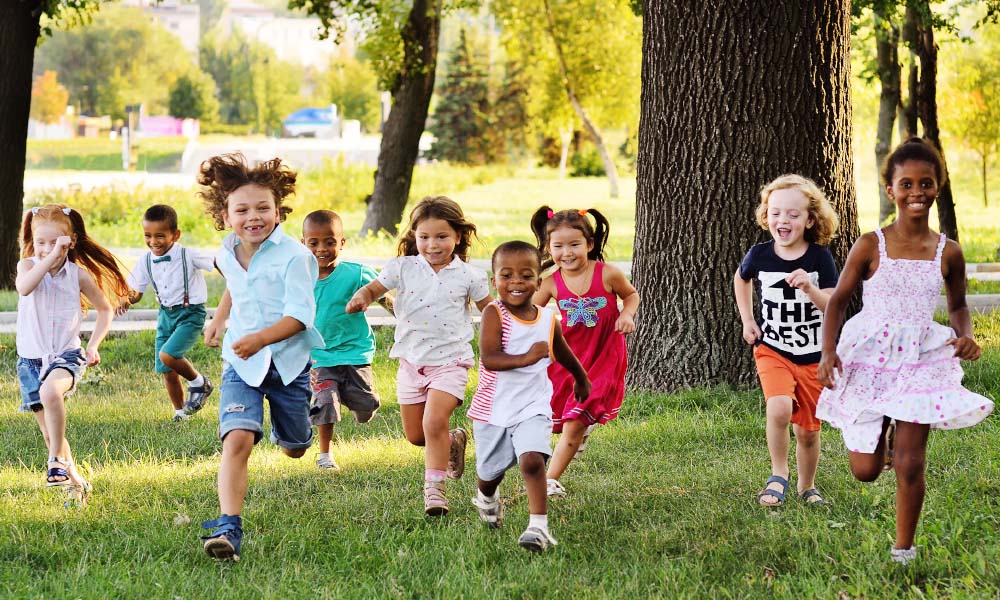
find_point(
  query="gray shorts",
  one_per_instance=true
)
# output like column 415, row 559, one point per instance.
column 498, row 448
column 348, row 385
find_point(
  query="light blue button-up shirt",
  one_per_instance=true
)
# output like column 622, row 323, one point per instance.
column 278, row 283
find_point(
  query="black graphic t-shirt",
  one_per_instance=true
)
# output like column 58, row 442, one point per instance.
column 789, row 320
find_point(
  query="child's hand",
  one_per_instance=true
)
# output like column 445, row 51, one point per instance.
column 122, row 307
column 213, row 333
column 93, row 356
column 828, row 371
column 966, row 348
column 799, row 279
column 625, row 324
column 60, row 249
column 581, row 389
column 359, row 302
column 537, row 352
column 752, row 332
column 247, row 346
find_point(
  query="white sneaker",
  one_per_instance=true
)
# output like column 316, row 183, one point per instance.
column 327, row 462
column 490, row 512
column 554, row 489
column 180, row 416
column 536, row 539
column 903, row 555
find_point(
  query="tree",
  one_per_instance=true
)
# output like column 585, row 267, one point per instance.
column 193, row 97
column 48, row 98
column 734, row 94
column 353, row 87
column 461, row 121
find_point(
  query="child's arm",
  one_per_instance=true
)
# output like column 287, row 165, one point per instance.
column 216, row 327
column 491, row 348
column 105, row 313
column 365, row 296
column 565, row 357
column 615, row 279
column 545, row 292
column 298, row 308
column 743, row 290
column 855, row 270
column 800, row 279
column 482, row 304
column 30, row 275
column 251, row 343
column 965, row 345
column 125, row 303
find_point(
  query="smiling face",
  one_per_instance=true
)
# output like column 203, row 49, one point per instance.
column 325, row 241
column 159, row 236
column 436, row 241
column 44, row 235
column 788, row 218
column 914, row 187
column 251, row 213
column 569, row 248
column 516, row 277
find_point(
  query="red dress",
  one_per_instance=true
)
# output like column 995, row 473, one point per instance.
column 588, row 324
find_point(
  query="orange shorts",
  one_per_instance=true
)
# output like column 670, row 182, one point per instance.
column 781, row 377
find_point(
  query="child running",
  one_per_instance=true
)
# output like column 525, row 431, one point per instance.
column 793, row 276
column 175, row 274
column 59, row 262
column 342, row 370
column 433, row 331
column 892, row 361
column 511, row 411
column 269, row 290
column 587, row 291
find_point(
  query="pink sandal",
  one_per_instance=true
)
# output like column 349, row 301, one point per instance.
column 435, row 502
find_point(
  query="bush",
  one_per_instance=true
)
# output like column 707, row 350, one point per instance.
column 586, row 163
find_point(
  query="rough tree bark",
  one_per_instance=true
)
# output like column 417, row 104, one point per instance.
column 734, row 93
column 581, row 113
column 890, row 75
column 18, row 33
column 411, row 96
column 926, row 102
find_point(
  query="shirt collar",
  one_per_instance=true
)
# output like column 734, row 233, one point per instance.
column 277, row 236
column 454, row 264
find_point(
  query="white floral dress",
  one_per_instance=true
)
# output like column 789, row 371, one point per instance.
column 895, row 359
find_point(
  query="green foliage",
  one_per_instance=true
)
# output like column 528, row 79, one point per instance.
column 353, row 86
column 48, row 98
column 586, row 163
column 193, row 97
column 462, row 119
column 119, row 58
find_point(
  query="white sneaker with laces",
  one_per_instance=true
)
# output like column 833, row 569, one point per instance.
column 536, row 539
column 326, row 461
column 903, row 555
column 554, row 489
column 490, row 512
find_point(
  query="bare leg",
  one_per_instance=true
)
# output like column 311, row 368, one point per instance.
column 325, row 434
column 806, row 458
column 174, row 390
column 413, row 422
column 236, row 448
column 53, row 390
column 181, row 366
column 74, row 474
column 779, row 415
column 569, row 443
column 437, row 412
column 533, row 469
column 867, row 467
column 489, row 488
column 909, row 460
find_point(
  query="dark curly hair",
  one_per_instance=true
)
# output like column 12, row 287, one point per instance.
column 446, row 209
column 914, row 148
column 224, row 174
column 545, row 221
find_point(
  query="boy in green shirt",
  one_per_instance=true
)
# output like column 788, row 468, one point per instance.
column 341, row 371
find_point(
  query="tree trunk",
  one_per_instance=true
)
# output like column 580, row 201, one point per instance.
column 411, row 96
column 889, row 74
column 565, row 137
column 595, row 134
column 927, row 109
column 734, row 94
column 18, row 33
column 908, row 108
column 986, row 198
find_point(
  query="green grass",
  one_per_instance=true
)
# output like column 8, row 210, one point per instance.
column 103, row 154
column 661, row 505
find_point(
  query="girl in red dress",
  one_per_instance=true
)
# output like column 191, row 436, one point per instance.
column 587, row 291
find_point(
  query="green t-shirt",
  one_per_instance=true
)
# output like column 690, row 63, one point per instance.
column 349, row 338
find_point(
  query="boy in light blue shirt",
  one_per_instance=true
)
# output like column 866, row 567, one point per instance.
column 270, row 306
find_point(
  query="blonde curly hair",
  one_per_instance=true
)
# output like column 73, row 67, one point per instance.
column 825, row 220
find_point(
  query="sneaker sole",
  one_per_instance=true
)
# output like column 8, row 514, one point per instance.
column 531, row 545
column 436, row 511
column 221, row 549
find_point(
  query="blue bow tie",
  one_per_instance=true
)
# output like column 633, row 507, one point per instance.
column 162, row 259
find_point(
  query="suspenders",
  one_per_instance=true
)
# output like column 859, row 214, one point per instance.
column 149, row 270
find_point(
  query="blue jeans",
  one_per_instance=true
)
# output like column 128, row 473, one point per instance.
column 242, row 407
column 30, row 376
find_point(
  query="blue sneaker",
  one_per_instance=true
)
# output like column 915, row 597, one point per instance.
column 224, row 542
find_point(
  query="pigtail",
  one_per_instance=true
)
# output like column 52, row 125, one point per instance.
column 103, row 266
column 539, row 223
column 27, row 239
column 601, row 232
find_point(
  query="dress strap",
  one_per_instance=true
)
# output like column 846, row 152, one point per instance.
column 940, row 248
column 881, row 243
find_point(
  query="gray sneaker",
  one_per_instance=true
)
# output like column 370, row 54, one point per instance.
column 196, row 397
column 490, row 512
column 536, row 539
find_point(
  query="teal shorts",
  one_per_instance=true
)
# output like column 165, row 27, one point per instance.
column 177, row 330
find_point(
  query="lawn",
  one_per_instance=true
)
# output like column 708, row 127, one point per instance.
column 103, row 154
column 661, row 505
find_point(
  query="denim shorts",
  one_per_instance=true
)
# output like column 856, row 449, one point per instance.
column 242, row 407
column 30, row 377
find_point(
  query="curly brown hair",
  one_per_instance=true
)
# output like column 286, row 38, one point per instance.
column 224, row 174
column 446, row 209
